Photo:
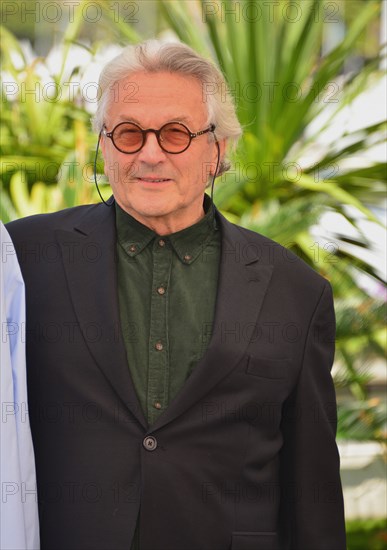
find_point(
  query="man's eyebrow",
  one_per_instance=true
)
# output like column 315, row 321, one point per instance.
column 126, row 118
column 177, row 118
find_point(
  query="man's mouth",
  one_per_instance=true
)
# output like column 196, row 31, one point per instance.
column 153, row 180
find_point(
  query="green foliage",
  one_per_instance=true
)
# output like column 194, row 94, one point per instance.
column 46, row 144
column 367, row 534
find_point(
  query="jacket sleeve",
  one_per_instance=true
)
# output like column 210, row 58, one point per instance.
column 312, row 501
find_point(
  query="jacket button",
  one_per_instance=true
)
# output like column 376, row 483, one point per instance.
column 150, row 443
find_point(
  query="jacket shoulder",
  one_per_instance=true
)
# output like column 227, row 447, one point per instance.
column 270, row 252
column 38, row 225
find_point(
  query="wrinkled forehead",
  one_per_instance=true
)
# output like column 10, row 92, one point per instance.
column 157, row 98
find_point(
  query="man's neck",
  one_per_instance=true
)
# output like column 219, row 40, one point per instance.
column 167, row 225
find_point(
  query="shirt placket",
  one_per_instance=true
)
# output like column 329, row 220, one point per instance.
column 158, row 368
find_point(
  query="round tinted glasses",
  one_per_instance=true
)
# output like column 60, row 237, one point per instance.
column 173, row 137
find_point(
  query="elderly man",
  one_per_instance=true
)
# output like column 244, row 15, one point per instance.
column 178, row 365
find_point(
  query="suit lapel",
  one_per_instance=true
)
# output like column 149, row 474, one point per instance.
column 89, row 259
column 243, row 282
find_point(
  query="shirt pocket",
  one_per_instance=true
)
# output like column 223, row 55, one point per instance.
column 272, row 369
column 243, row 540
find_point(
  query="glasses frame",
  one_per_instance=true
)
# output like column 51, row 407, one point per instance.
column 192, row 135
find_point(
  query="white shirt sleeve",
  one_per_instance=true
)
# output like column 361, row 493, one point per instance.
column 19, row 524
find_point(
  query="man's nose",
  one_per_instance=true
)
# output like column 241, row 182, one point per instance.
column 151, row 150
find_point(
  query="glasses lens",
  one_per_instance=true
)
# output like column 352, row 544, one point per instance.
column 127, row 137
column 174, row 137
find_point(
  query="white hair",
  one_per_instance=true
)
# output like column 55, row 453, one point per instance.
column 155, row 56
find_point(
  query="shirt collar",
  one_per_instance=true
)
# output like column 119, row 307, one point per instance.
column 134, row 237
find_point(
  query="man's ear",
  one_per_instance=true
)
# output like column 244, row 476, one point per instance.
column 222, row 150
column 102, row 146
column 102, row 143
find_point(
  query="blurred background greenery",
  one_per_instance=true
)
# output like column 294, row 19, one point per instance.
column 310, row 170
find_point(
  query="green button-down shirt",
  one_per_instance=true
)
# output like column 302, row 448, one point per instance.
column 167, row 290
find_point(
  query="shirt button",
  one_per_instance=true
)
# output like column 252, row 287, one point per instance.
column 161, row 290
column 157, row 405
column 149, row 443
column 187, row 257
column 132, row 248
column 161, row 242
column 159, row 346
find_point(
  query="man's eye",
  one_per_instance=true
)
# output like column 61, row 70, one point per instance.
column 175, row 133
column 130, row 131
column 129, row 134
